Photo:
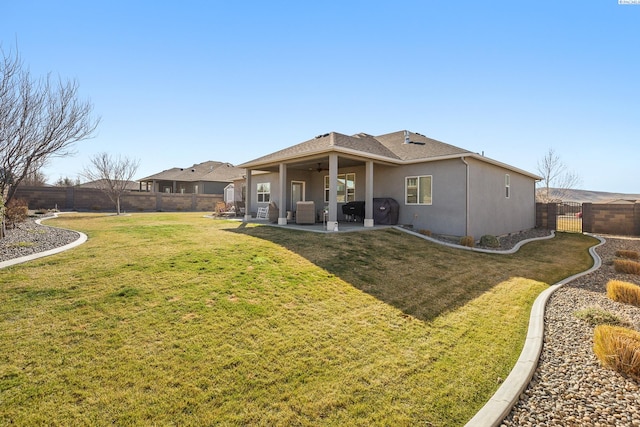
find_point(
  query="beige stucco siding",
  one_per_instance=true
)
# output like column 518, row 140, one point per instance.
column 490, row 211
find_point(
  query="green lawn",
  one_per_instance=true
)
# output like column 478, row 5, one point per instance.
column 176, row 319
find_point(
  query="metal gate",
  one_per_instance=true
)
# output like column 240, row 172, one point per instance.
column 569, row 217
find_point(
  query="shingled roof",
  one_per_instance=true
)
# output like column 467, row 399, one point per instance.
column 402, row 147
column 389, row 147
column 207, row 171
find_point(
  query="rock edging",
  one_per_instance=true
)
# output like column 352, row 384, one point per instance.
column 81, row 239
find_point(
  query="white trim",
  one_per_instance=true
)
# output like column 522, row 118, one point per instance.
column 406, row 202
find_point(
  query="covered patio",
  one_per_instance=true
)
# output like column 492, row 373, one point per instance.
column 325, row 171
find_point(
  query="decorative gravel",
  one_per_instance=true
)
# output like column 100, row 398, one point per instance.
column 29, row 237
column 569, row 387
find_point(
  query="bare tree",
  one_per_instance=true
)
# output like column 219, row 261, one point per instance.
column 111, row 175
column 556, row 179
column 34, row 177
column 39, row 119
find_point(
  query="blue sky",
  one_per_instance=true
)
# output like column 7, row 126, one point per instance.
column 178, row 83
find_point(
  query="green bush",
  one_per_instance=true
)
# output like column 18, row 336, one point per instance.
column 596, row 316
column 618, row 348
column 625, row 292
column 489, row 241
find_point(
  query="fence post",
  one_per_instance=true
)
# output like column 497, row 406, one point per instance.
column 552, row 216
column 587, row 218
column 539, row 215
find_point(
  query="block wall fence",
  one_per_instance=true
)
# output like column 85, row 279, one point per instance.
column 90, row 199
column 597, row 218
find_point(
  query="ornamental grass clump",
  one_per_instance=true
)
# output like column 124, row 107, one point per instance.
column 618, row 348
column 467, row 241
column 628, row 254
column 624, row 292
column 627, row 266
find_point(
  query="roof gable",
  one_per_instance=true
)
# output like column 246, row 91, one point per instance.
column 400, row 147
column 206, row 171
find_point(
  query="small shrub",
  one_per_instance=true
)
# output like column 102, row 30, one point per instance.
column 596, row 316
column 16, row 211
column 467, row 241
column 627, row 266
column 489, row 241
column 627, row 254
column 618, row 348
column 425, row 232
column 625, row 292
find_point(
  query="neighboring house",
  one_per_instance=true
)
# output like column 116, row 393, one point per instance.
column 439, row 187
column 204, row 178
column 101, row 183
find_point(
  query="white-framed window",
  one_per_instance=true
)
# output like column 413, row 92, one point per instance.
column 264, row 192
column 417, row 190
column 507, row 185
column 346, row 187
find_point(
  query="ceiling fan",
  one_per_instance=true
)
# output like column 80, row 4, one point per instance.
column 320, row 168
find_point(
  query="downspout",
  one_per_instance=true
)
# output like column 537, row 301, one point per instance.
column 466, row 225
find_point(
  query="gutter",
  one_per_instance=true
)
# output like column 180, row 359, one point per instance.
column 466, row 209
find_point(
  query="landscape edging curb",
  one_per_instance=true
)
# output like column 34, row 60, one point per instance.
column 500, row 404
column 81, row 239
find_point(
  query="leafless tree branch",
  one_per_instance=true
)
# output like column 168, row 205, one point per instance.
column 111, row 175
column 556, row 179
column 39, row 119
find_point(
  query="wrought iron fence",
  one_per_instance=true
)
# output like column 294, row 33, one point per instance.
column 569, row 217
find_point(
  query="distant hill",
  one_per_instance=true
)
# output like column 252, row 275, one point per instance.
column 584, row 196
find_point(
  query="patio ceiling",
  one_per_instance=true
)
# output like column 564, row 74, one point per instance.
column 316, row 163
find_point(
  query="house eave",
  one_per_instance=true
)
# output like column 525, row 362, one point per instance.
column 356, row 154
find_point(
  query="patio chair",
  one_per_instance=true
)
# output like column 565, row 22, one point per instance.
column 274, row 212
column 220, row 209
column 262, row 213
column 240, row 210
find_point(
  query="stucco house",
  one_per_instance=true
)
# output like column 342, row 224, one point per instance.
column 203, row 178
column 438, row 187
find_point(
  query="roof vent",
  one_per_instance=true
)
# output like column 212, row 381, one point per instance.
column 407, row 139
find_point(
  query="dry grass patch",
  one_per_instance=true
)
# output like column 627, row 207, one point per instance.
column 624, row 292
column 618, row 348
column 626, row 266
column 622, row 253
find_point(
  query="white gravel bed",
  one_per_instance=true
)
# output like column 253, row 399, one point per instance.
column 569, row 387
column 28, row 238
